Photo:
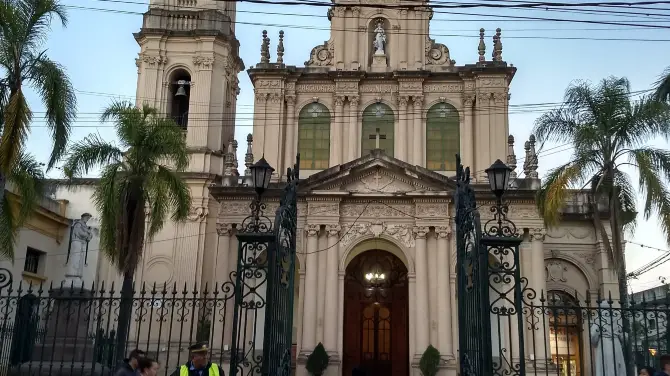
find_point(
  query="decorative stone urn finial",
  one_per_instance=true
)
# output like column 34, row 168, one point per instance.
column 265, row 48
column 280, row 48
column 482, row 46
column 497, row 46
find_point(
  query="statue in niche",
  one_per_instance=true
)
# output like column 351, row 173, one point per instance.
column 380, row 39
column 81, row 235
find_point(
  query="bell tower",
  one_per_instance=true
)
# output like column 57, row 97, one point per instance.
column 187, row 69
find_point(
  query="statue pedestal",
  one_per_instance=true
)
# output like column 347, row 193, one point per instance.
column 379, row 63
column 70, row 327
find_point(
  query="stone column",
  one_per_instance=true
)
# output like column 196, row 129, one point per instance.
column 354, row 131
column 418, row 132
column 311, row 301
column 539, row 283
column 421, row 291
column 336, row 132
column 401, row 139
column 444, row 291
column 355, row 59
column 222, row 275
column 339, row 24
column 467, row 141
column 332, row 296
column 291, row 132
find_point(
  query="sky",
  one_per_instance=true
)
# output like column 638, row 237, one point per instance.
column 98, row 51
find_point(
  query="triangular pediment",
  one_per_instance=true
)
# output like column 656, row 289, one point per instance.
column 377, row 173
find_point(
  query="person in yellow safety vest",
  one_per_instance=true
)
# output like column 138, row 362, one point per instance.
column 199, row 365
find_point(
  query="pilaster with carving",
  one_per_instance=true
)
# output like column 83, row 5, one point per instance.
column 291, row 149
column 401, row 140
column 354, row 129
column 419, row 133
column 422, row 308
column 336, row 131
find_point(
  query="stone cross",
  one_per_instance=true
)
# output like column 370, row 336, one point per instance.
column 377, row 137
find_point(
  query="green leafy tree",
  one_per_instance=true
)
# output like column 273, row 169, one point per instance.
column 140, row 173
column 609, row 130
column 24, row 25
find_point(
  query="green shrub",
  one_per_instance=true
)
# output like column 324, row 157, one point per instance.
column 430, row 361
column 317, row 362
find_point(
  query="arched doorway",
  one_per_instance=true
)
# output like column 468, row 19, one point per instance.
column 565, row 333
column 376, row 315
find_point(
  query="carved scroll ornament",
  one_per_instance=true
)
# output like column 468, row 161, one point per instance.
column 437, row 53
column 321, row 55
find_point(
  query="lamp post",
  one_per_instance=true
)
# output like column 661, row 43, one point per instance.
column 498, row 175
column 257, row 222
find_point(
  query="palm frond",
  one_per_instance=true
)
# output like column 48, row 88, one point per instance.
column 647, row 120
column 627, row 201
column 15, row 130
column 654, row 189
column 128, row 121
column 107, row 199
column 662, row 85
column 27, row 178
column 553, row 192
column 166, row 142
column 60, row 102
column 88, row 153
column 34, row 18
column 8, row 230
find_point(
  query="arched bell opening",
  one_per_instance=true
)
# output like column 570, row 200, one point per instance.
column 180, row 97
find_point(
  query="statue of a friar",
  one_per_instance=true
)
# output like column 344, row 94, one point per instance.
column 380, row 39
column 81, row 235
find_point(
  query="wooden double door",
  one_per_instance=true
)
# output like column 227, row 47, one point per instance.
column 376, row 327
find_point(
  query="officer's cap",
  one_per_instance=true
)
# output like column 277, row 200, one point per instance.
column 198, row 347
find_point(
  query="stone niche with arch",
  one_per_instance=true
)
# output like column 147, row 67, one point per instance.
column 179, row 96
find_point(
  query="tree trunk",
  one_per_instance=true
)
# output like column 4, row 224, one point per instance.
column 616, row 228
column 3, row 183
column 125, row 315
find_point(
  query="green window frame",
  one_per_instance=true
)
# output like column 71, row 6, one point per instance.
column 443, row 140
column 377, row 116
column 314, row 137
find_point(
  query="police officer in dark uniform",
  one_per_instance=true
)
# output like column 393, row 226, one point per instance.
column 199, row 365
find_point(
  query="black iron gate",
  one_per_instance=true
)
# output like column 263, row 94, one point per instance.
column 264, row 285
column 490, row 286
column 475, row 347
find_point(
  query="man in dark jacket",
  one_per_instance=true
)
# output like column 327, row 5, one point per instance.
column 665, row 366
column 129, row 366
column 199, row 365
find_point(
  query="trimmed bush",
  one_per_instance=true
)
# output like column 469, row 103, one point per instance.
column 430, row 361
column 317, row 362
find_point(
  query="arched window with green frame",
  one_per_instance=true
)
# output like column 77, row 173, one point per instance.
column 377, row 116
column 314, row 137
column 442, row 137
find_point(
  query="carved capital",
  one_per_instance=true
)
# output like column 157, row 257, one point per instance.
column 443, row 232
column 418, row 101
column 339, row 11
column 468, row 100
column 312, row 230
column 198, row 213
column 420, row 232
column 275, row 98
column 499, row 98
column 353, row 101
column 333, row 230
column 483, row 98
column 339, row 100
column 203, row 62
column 261, row 97
column 538, row 234
column 402, row 101
column 356, row 11
column 290, row 100
column 224, row 229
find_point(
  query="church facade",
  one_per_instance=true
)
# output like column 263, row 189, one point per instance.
column 377, row 113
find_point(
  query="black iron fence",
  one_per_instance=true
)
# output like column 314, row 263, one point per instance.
column 71, row 331
column 568, row 336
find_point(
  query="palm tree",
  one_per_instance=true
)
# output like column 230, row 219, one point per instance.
column 140, row 173
column 24, row 24
column 662, row 89
column 609, row 131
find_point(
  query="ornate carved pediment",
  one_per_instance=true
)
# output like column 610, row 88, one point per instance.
column 377, row 173
column 321, row 55
column 437, row 53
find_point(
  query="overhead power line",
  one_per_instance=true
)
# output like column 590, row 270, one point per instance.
column 654, row 25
